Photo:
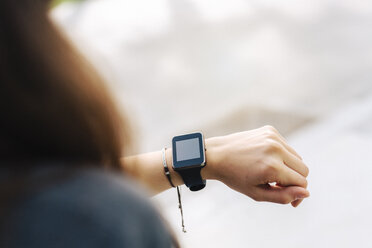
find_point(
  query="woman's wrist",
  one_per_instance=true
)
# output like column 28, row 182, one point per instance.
column 210, row 171
column 175, row 177
column 213, row 152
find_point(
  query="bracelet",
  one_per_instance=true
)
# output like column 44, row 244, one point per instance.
column 167, row 174
column 166, row 170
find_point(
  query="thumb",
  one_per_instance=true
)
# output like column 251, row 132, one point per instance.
column 282, row 195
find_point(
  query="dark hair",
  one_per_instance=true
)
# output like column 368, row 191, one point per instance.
column 53, row 105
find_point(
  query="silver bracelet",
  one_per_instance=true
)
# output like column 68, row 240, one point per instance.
column 166, row 170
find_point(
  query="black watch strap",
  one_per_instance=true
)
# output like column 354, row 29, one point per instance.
column 192, row 178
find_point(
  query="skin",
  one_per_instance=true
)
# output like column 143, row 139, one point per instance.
column 258, row 163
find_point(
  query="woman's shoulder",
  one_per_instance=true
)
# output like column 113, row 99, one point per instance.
column 87, row 207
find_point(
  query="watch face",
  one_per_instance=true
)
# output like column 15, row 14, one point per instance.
column 188, row 151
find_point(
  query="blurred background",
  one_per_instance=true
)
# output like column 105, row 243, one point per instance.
column 223, row 66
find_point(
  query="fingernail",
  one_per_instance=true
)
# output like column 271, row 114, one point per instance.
column 302, row 196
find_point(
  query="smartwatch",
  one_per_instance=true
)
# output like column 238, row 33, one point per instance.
column 189, row 158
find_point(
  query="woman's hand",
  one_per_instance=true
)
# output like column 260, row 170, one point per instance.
column 258, row 163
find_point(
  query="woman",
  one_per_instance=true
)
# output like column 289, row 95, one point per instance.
column 63, row 180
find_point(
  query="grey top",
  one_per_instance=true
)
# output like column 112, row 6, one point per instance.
column 87, row 208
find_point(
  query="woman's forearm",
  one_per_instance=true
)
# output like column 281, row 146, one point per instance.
column 258, row 163
column 148, row 168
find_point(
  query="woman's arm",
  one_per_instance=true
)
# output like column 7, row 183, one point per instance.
column 248, row 162
column 148, row 169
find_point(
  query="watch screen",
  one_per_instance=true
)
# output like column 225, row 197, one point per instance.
column 187, row 149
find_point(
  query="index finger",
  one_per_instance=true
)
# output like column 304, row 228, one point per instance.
column 289, row 177
column 295, row 163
